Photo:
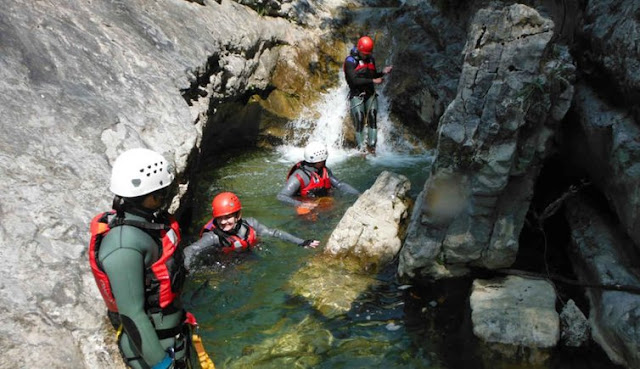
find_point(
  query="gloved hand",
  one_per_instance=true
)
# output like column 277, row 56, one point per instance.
column 310, row 243
column 165, row 363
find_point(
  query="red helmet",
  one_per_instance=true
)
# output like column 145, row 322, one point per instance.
column 365, row 45
column 224, row 204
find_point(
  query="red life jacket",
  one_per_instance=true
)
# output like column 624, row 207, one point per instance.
column 164, row 277
column 245, row 238
column 319, row 185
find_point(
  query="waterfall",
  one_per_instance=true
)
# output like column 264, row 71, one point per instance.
column 324, row 122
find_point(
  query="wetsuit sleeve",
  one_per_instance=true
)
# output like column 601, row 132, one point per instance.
column 342, row 186
column 125, row 265
column 377, row 74
column 290, row 189
column 262, row 230
column 207, row 242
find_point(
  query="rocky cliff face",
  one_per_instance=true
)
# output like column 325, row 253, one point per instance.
column 81, row 82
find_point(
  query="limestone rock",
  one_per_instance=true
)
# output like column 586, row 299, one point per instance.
column 574, row 326
column 371, row 228
column 515, row 312
column 514, row 89
column 606, row 144
column 600, row 255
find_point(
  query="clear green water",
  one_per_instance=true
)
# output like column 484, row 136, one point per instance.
column 247, row 313
column 250, row 318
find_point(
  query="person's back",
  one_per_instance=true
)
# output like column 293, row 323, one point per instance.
column 126, row 254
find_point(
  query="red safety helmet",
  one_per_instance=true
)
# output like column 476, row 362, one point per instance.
column 224, row 204
column 365, row 45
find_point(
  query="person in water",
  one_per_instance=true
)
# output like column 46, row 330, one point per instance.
column 227, row 232
column 137, row 264
column 361, row 75
column 310, row 178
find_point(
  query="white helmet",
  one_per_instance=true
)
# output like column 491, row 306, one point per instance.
column 315, row 152
column 138, row 172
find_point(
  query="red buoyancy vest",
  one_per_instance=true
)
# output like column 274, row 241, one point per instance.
column 161, row 271
column 233, row 242
column 318, row 184
column 364, row 67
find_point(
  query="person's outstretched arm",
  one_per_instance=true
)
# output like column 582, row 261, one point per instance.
column 289, row 190
column 206, row 242
column 342, row 186
column 272, row 232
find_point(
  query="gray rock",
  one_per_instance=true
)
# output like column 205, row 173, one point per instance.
column 515, row 312
column 574, row 326
column 611, row 30
column 600, row 256
column 427, row 65
column 607, row 146
column 81, row 82
column 370, row 228
column 492, row 139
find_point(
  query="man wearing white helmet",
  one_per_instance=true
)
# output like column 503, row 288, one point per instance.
column 310, row 178
column 137, row 264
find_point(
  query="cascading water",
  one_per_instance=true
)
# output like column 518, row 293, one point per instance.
column 325, row 122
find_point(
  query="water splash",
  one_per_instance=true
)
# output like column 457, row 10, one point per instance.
column 325, row 122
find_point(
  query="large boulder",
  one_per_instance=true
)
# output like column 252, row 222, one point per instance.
column 371, row 228
column 514, row 89
column 514, row 313
column 367, row 237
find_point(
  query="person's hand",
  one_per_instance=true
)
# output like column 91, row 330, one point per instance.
column 308, row 205
column 387, row 69
column 310, row 243
column 377, row 81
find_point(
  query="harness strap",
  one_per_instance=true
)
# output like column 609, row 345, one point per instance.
column 117, row 221
column 170, row 332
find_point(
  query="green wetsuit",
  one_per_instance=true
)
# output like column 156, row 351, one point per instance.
column 125, row 254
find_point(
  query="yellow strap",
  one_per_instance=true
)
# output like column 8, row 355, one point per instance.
column 203, row 357
column 119, row 332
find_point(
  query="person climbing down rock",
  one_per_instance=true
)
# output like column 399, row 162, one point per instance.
column 228, row 233
column 361, row 75
column 310, row 179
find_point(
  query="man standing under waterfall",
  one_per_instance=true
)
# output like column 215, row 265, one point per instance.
column 361, row 75
column 137, row 264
